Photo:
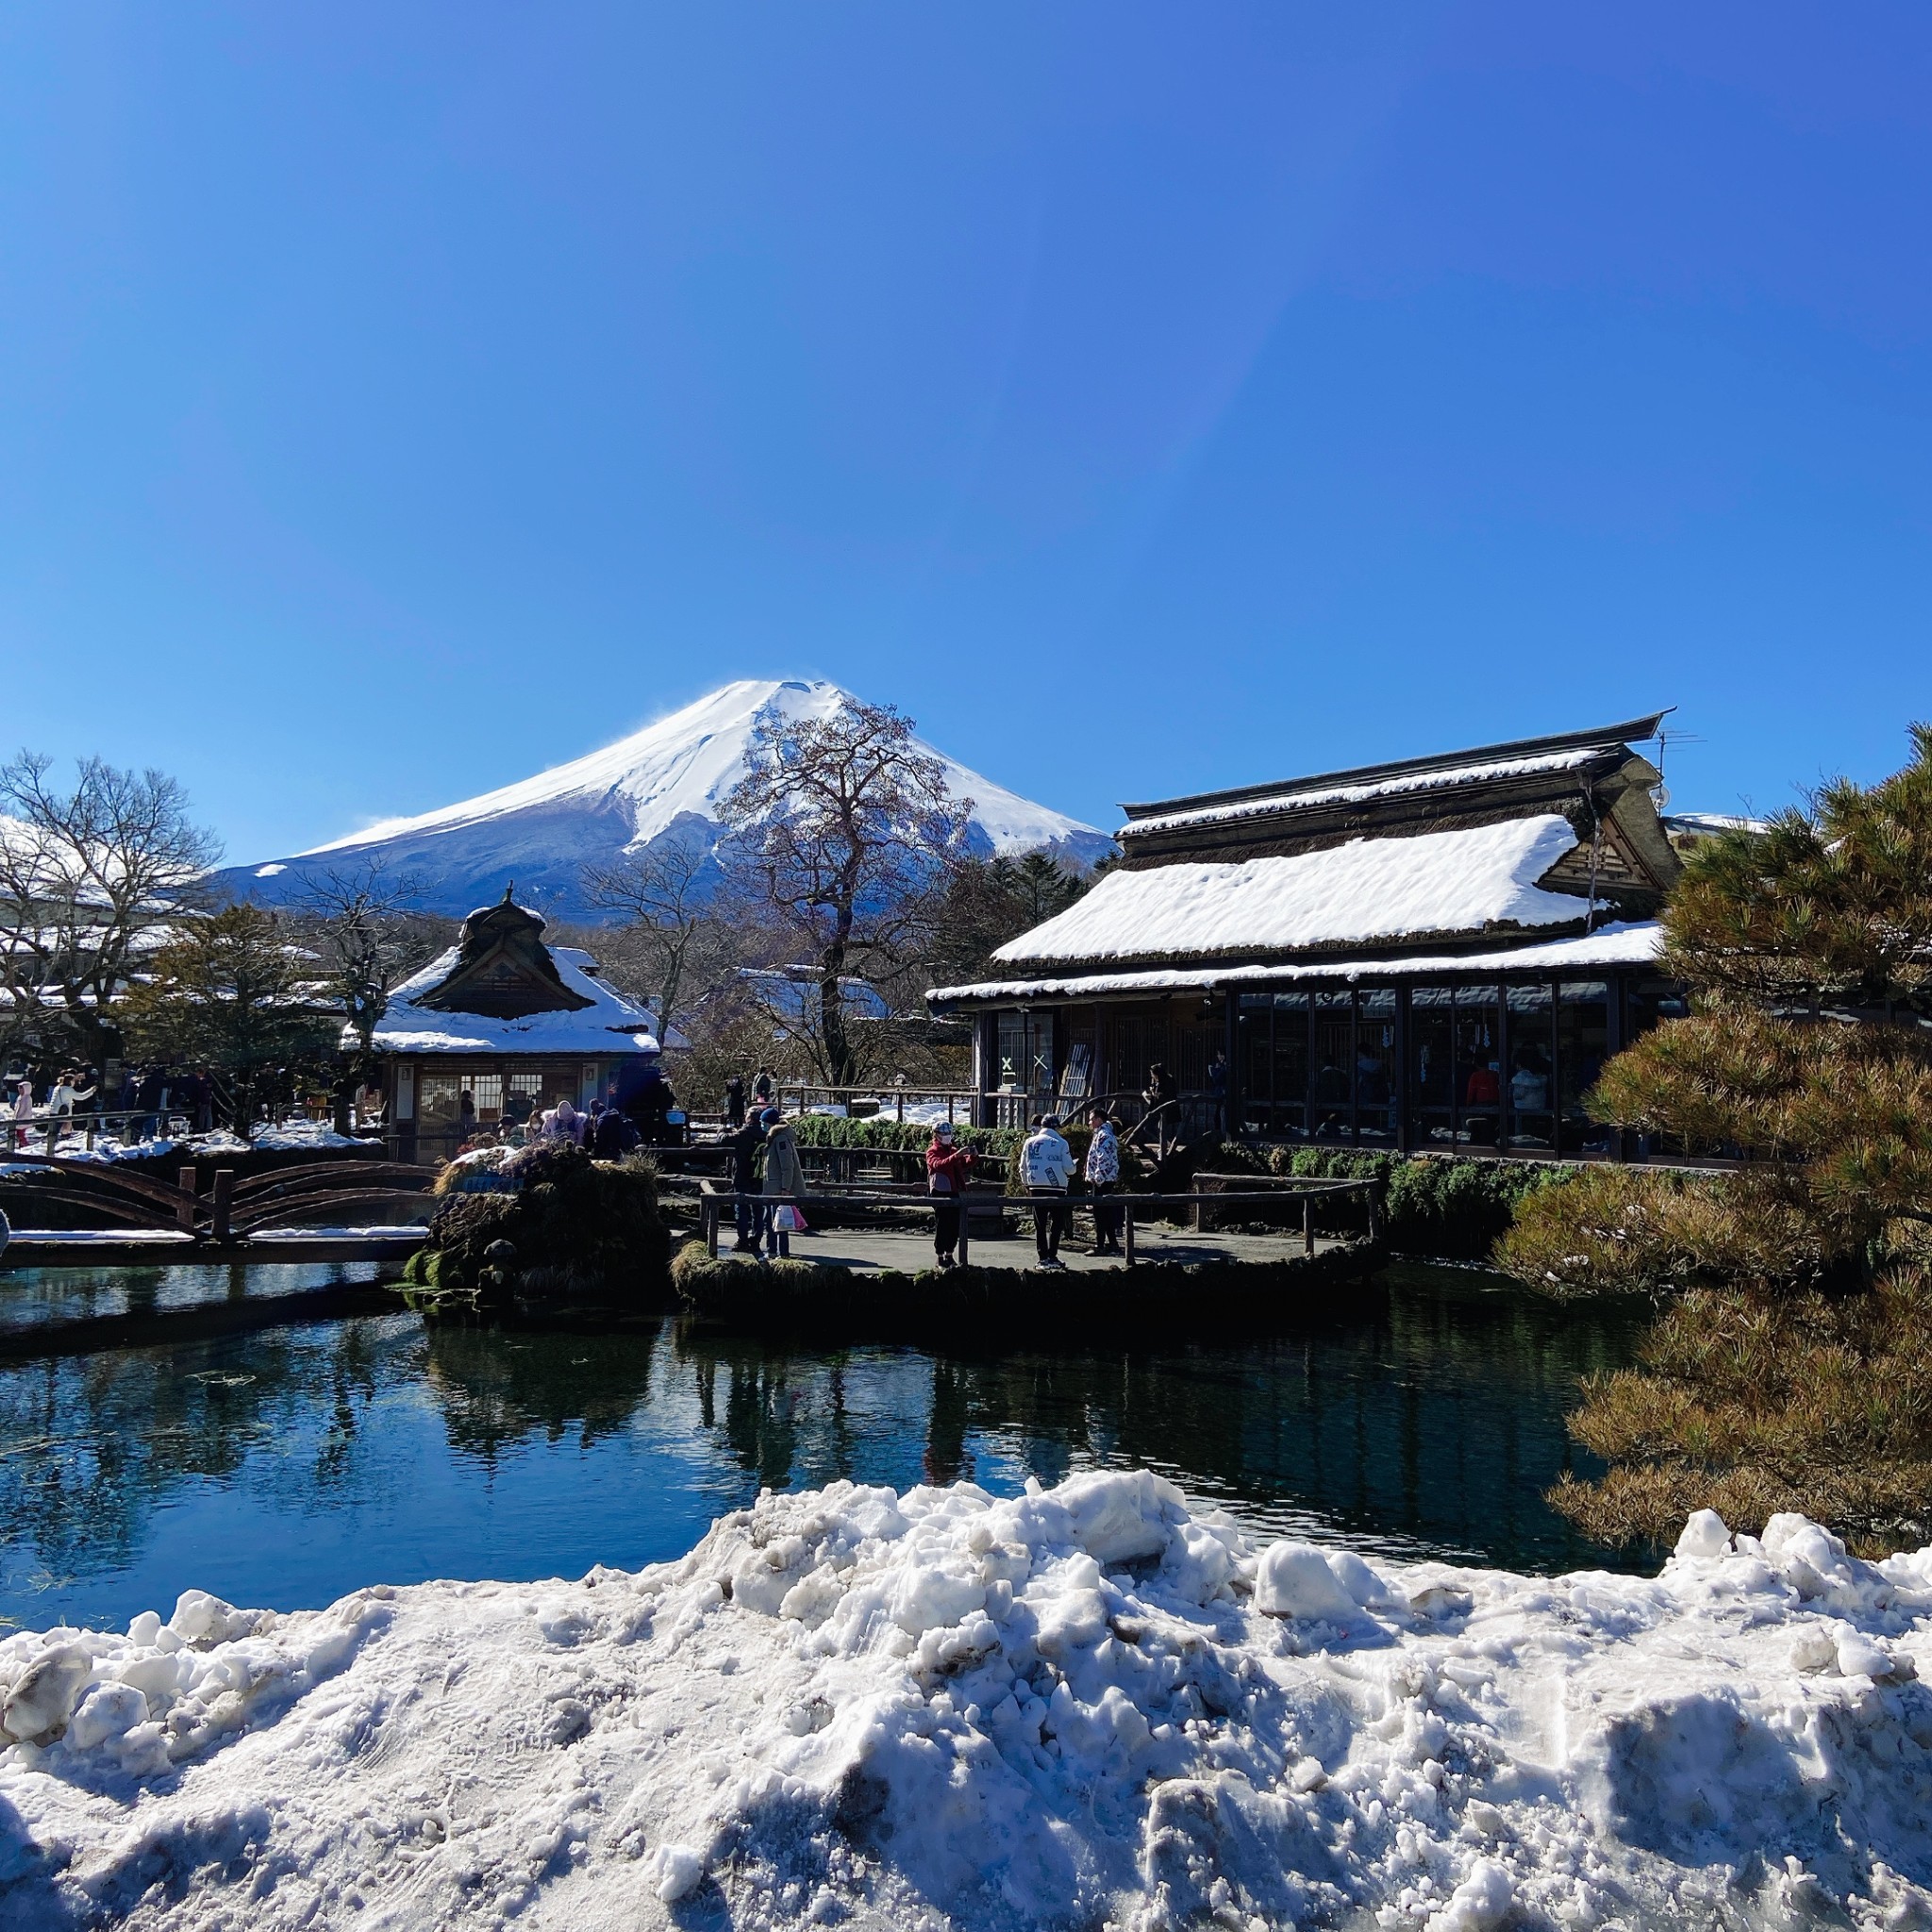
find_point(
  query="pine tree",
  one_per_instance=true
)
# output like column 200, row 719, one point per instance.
column 1789, row 1368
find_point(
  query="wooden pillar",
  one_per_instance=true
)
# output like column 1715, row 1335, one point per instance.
column 1127, row 1231
column 1308, row 1224
column 185, row 1213
column 223, row 1201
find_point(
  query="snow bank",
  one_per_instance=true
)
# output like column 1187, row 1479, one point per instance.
column 1085, row 1706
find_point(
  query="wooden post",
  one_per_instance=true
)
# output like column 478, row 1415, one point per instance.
column 185, row 1213
column 710, row 1206
column 1127, row 1231
column 224, row 1195
column 965, row 1230
column 1308, row 1224
column 1200, row 1211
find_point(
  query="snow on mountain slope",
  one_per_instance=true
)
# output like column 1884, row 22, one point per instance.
column 665, row 781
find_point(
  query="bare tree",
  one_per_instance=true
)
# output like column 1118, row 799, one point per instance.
column 847, row 831
column 88, row 877
column 369, row 937
column 671, row 935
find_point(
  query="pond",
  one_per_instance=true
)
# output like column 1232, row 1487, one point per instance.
column 288, row 1465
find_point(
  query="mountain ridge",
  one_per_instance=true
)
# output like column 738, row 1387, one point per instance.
column 663, row 782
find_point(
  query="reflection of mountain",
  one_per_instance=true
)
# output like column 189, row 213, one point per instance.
column 498, row 1388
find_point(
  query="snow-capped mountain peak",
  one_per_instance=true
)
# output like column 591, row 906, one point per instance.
column 669, row 779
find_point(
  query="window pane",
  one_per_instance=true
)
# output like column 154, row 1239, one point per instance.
column 486, row 1090
column 439, row 1096
column 1432, row 1065
column 1253, row 1061
column 1012, row 1051
column 1374, row 1065
column 1583, row 1036
column 1478, row 1064
column 1332, row 1103
column 1291, row 1065
column 1532, row 1069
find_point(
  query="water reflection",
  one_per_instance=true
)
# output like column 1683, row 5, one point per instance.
column 497, row 1390
column 32, row 1296
column 287, row 1466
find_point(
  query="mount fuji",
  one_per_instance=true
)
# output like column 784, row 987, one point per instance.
column 665, row 782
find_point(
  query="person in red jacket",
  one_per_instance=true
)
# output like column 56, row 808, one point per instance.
column 946, row 1167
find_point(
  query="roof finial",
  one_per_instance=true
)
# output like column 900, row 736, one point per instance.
column 508, row 891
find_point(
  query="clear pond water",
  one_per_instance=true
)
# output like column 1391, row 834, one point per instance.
column 287, row 1466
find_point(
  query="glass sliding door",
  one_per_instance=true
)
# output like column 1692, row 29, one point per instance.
column 1530, row 1094
column 1331, row 1100
column 1432, row 1066
column 1479, row 1065
column 1375, row 1066
column 1254, row 1063
column 1583, row 1037
column 1292, row 1066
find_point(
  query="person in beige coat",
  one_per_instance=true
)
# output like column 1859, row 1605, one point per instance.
column 784, row 1174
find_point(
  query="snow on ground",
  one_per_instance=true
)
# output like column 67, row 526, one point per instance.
column 1088, row 1706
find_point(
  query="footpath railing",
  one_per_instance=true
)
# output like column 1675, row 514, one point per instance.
column 715, row 1204
column 16, row 1134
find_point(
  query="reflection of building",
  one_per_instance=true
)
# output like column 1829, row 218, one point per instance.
column 1434, row 954
column 512, row 1023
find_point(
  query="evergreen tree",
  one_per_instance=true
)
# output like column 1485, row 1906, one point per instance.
column 230, row 993
column 1789, row 1369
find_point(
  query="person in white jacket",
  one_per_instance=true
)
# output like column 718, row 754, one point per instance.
column 1046, row 1165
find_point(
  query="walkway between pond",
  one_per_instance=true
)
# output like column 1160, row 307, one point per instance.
column 876, row 1250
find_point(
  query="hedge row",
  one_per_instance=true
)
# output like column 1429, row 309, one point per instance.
column 1455, row 1210
column 899, row 1137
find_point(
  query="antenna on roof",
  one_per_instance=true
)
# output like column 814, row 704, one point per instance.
column 1661, row 793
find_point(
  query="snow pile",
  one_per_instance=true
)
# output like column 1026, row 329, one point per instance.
column 1084, row 1706
column 610, row 1024
column 1370, row 889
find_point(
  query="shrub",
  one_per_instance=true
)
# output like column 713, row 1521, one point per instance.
column 574, row 1229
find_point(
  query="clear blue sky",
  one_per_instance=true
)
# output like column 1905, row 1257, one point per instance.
column 396, row 399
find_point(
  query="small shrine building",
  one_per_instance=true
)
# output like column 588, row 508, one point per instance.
column 513, row 1025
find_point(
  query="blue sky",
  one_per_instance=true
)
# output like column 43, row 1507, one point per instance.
column 394, row 399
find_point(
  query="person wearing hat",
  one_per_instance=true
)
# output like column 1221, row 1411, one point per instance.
column 946, row 1167
column 1046, row 1165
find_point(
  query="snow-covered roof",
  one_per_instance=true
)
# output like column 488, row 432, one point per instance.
column 791, row 993
column 611, row 1024
column 1313, row 792
column 1432, row 884
column 1636, row 943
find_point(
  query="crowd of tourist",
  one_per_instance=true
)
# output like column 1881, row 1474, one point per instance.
column 139, row 1103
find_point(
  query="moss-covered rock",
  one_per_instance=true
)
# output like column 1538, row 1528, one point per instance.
column 556, row 1230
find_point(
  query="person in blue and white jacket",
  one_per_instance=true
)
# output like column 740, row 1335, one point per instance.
column 1104, row 1179
column 1046, row 1165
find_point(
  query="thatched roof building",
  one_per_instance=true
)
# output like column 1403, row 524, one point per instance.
column 1434, row 953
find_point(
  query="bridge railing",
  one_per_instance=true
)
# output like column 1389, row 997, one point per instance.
column 1127, row 1208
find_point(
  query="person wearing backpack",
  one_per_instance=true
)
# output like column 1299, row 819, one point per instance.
column 946, row 1168
column 1046, row 1165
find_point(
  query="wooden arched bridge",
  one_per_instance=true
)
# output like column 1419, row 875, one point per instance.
column 321, row 1211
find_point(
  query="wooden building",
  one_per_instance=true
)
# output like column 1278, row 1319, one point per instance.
column 1436, row 953
column 510, row 1024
